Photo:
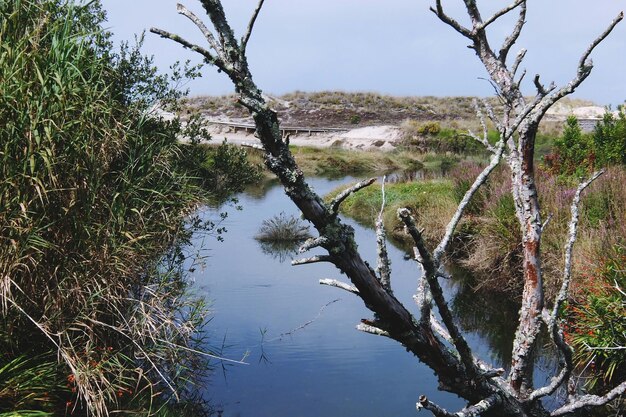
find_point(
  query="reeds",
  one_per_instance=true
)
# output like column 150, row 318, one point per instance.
column 92, row 195
column 282, row 228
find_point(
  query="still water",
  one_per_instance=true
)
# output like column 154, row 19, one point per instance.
column 304, row 356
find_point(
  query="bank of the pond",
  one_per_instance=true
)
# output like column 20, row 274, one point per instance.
column 337, row 162
column 487, row 244
column 432, row 201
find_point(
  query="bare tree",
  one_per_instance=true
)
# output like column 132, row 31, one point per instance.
column 438, row 343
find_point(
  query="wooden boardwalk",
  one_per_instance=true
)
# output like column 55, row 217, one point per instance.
column 284, row 130
column 589, row 124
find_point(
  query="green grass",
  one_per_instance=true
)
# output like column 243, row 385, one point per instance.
column 432, row 203
column 336, row 162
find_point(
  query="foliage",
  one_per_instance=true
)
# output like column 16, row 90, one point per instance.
column 334, row 162
column 573, row 151
column 223, row 169
column 609, row 138
column 577, row 154
column 30, row 385
column 597, row 320
column 431, row 137
column 93, row 192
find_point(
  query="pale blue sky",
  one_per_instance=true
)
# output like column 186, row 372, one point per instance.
column 393, row 46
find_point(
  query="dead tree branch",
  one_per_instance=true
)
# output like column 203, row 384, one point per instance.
column 311, row 260
column 208, row 57
column 456, row 218
column 498, row 15
column 587, row 401
column 246, row 37
column 312, row 243
column 200, row 24
column 471, row 411
column 518, row 60
column 431, row 266
column 339, row 284
column 573, row 230
column 383, row 266
column 552, row 320
column 512, row 38
column 367, row 328
column 341, row 197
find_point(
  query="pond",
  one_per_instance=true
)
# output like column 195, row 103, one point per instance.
column 305, row 357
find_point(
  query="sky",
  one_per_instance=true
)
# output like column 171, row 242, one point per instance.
column 395, row 47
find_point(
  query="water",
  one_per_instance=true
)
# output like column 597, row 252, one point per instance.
column 305, row 357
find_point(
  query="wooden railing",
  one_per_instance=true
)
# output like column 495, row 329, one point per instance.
column 285, row 130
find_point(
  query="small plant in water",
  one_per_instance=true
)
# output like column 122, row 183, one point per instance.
column 283, row 228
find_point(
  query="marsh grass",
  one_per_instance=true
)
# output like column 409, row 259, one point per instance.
column 335, row 162
column 94, row 205
column 430, row 201
column 283, row 228
column 29, row 384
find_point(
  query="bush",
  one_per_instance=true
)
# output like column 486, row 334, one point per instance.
column 578, row 154
column 609, row 138
column 574, row 151
column 597, row 320
column 93, row 198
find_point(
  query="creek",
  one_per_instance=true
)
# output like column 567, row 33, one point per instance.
column 304, row 356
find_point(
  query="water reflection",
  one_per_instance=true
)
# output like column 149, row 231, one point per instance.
column 281, row 251
column 490, row 318
column 326, row 367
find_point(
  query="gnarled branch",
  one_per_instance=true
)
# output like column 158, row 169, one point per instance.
column 478, row 182
column 334, row 205
column 512, row 38
column 471, row 411
column 552, row 319
column 246, row 37
column 383, row 266
column 338, row 284
column 200, row 24
column 499, row 14
column 431, row 266
column 311, row 260
column 312, row 243
column 450, row 21
column 586, row 401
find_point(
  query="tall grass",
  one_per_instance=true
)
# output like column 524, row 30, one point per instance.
column 93, row 192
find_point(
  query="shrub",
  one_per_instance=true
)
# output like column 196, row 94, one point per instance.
column 609, row 138
column 597, row 320
column 283, row 228
column 222, row 170
column 93, row 198
column 574, row 151
column 578, row 154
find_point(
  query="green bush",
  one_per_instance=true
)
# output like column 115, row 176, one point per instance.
column 597, row 321
column 576, row 153
column 609, row 138
column 94, row 194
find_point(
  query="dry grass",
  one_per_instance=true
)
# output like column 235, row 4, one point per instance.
column 344, row 109
column 493, row 250
column 93, row 201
